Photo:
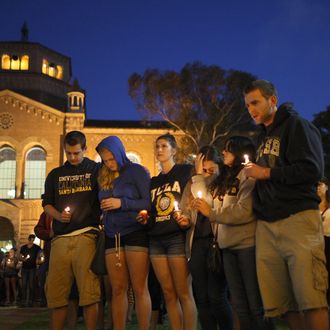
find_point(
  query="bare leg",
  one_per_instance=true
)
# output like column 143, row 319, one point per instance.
column 71, row 318
column 164, row 276
column 295, row 320
column 58, row 317
column 182, row 283
column 90, row 316
column 154, row 320
column 138, row 265
column 119, row 284
column 317, row 319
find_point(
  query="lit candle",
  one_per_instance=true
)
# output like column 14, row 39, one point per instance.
column 246, row 159
column 144, row 214
column 27, row 257
column 176, row 206
column 42, row 258
column 199, row 194
column 67, row 209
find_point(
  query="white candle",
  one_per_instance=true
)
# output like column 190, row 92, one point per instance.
column 199, row 194
column 176, row 206
column 246, row 159
column 67, row 209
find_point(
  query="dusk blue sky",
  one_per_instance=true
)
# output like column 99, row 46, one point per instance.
column 284, row 41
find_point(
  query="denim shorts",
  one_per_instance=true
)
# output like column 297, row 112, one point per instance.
column 135, row 241
column 172, row 245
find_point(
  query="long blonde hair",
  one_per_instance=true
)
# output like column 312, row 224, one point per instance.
column 106, row 176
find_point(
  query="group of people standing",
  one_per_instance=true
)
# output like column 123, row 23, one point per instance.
column 263, row 212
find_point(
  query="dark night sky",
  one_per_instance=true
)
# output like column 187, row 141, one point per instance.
column 284, row 41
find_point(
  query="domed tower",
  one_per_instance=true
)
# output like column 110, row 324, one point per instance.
column 76, row 108
column 37, row 72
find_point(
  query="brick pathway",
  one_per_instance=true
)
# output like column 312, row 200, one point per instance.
column 10, row 317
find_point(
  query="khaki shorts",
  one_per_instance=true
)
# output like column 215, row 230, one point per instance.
column 71, row 258
column 291, row 264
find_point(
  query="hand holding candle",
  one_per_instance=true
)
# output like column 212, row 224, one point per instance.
column 142, row 217
column 177, row 211
column 66, row 215
column 246, row 159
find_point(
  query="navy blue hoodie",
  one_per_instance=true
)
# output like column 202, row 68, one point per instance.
column 131, row 186
column 292, row 148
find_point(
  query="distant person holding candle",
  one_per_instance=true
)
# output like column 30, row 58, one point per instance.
column 124, row 191
column 289, row 239
column 71, row 199
column 210, row 287
column 9, row 264
column 28, row 255
column 167, row 238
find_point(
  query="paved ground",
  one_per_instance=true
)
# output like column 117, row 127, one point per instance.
column 10, row 317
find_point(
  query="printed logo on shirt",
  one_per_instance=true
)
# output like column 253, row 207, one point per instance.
column 164, row 206
column 72, row 184
column 271, row 147
column 233, row 190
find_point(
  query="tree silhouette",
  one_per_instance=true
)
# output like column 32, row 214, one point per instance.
column 205, row 102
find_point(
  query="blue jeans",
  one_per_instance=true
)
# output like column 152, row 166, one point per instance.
column 241, row 274
column 210, row 290
column 28, row 285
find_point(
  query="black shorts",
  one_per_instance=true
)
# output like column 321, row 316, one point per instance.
column 135, row 241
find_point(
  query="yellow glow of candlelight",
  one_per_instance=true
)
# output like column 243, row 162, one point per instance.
column 176, row 206
column 199, row 194
column 246, row 159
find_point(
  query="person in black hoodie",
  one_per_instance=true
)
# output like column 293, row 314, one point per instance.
column 289, row 240
column 71, row 198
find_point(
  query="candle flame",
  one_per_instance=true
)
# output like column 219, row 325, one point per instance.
column 246, row 159
column 176, row 206
column 199, row 194
column 67, row 209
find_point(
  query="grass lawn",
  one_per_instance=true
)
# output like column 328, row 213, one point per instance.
column 41, row 322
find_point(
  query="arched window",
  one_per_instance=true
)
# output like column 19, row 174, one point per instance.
column 59, row 74
column 5, row 62
column 7, row 172
column 133, row 157
column 25, row 62
column 45, row 66
column 35, row 173
column 15, row 62
column 52, row 70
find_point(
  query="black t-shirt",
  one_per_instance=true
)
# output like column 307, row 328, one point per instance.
column 165, row 189
column 33, row 251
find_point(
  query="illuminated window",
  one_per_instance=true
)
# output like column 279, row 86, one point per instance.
column 7, row 172
column 25, row 62
column 45, row 66
column 35, row 173
column 51, row 70
column 15, row 62
column 59, row 74
column 133, row 157
column 5, row 62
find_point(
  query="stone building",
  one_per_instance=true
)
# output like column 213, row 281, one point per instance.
column 39, row 104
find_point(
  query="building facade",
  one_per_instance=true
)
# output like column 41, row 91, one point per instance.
column 38, row 105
